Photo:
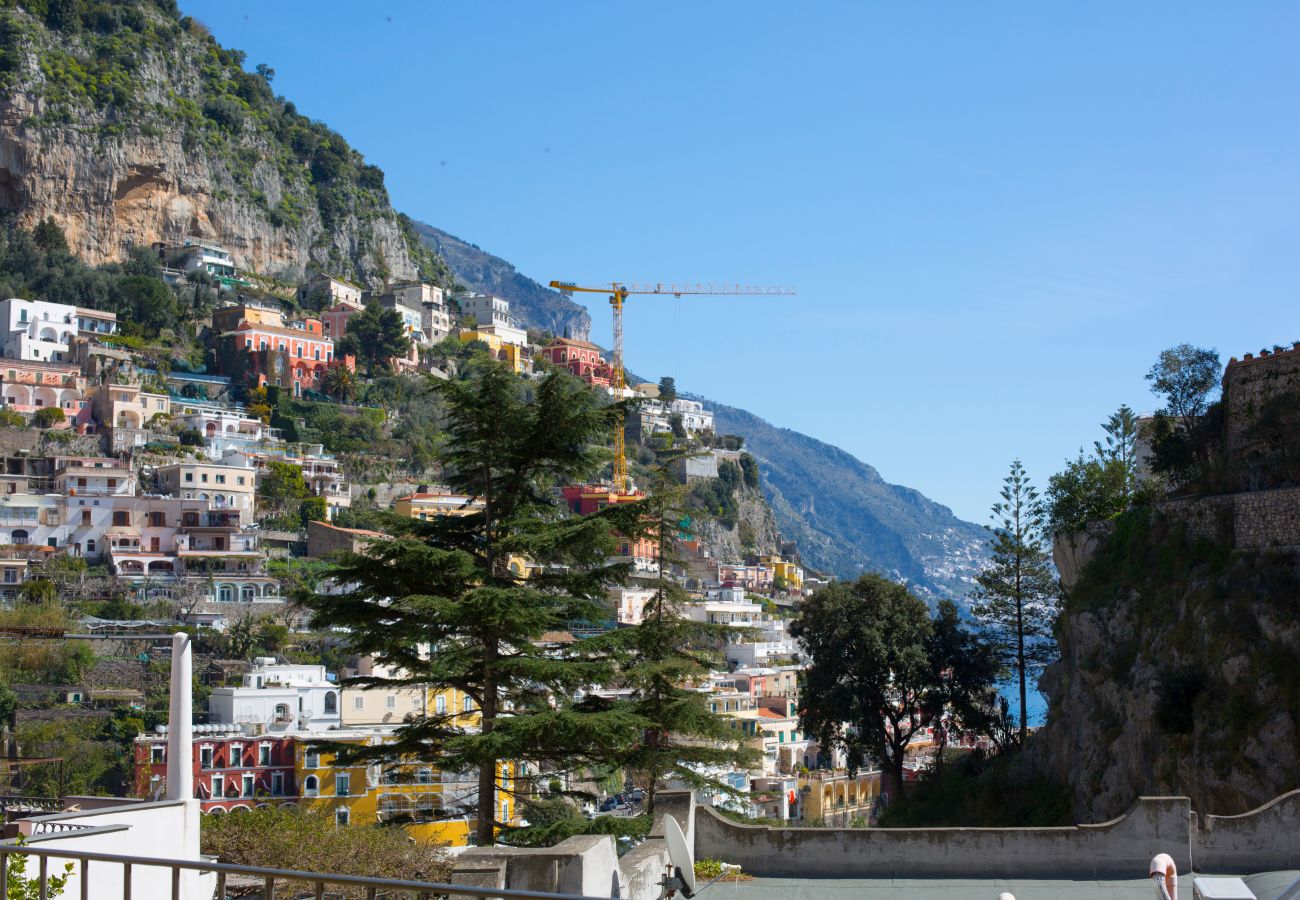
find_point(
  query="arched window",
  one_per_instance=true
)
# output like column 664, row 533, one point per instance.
column 20, row 536
column 226, row 594
column 331, row 702
column 248, row 593
column 310, row 786
column 90, row 545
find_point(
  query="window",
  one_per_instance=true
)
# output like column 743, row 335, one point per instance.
column 311, row 759
column 263, row 754
column 424, row 775
column 310, row 786
column 358, row 702
column 121, row 517
column 157, row 753
column 441, row 704
column 331, row 703
column 158, row 520
column 247, row 786
column 90, row 545
column 221, row 479
column 218, row 786
column 240, row 479
column 189, row 477
column 468, row 705
column 342, row 784
column 205, row 757
column 282, row 713
column 391, row 701
column 277, row 783
column 236, row 755
column 112, row 483
column 341, row 816
column 203, row 477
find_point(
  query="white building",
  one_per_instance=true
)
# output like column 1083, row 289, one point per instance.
column 336, row 290
column 37, row 330
column 278, row 698
column 492, row 315
column 431, row 301
column 199, row 255
column 228, row 487
column 628, row 604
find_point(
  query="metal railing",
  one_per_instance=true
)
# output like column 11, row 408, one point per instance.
column 375, row 888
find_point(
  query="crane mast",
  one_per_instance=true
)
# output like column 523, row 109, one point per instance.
column 618, row 294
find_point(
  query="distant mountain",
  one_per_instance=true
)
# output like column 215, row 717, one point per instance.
column 846, row 519
column 478, row 270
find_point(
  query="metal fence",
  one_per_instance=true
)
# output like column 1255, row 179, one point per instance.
column 274, row 884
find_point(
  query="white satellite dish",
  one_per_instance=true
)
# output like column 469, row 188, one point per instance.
column 681, row 859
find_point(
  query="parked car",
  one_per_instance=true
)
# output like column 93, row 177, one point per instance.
column 636, row 796
column 609, row 804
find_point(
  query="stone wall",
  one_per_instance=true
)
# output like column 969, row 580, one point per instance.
column 1257, row 520
column 1248, row 384
column 1118, row 848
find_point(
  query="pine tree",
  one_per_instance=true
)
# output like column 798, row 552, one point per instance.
column 447, row 607
column 1017, row 594
column 662, row 658
column 1119, row 448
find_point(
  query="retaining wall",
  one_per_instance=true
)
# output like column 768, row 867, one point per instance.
column 1117, row 848
column 1264, row 839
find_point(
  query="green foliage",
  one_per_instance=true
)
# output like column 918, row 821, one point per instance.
column 308, row 840
column 450, row 584
column 1017, row 596
column 868, row 675
column 1099, row 487
column 976, row 792
column 749, row 469
column 660, row 657
column 667, row 389
column 282, row 482
column 48, row 417
column 376, row 335
column 19, row 887
column 96, row 755
column 1187, row 377
column 12, row 418
column 313, row 509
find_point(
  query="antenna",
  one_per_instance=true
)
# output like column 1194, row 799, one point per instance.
column 681, row 862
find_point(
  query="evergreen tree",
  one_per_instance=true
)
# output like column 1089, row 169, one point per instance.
column 965, row 668
column 1118, row 449
column 444, row 607
column 667, row 389
column 663, row 657
column 869, row 673
column 376, row 335
column 1017, row 594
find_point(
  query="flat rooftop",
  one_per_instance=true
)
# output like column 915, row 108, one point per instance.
column 1266, row 886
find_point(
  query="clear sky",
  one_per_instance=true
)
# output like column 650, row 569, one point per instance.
column 996, row 215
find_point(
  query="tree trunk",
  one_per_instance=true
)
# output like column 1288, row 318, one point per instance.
column 891, row 779
column 485, row 832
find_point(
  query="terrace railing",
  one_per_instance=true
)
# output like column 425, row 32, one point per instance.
column 295, row 884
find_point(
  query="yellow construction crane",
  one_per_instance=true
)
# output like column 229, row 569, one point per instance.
column 618, row 294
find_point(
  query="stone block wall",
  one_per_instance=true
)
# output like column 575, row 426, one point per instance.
column 1257, row 520
column 1248, row 383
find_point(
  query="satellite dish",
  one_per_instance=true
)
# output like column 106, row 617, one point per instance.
column 681, row 859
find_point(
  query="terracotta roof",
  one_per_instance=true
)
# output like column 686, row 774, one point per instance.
column 557, row 637
column 769, row 714
column 361, row 532
column 570, row 342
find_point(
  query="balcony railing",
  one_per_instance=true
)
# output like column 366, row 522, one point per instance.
column 50, row 864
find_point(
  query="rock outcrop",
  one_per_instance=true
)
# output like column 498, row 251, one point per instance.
column 754, row 534
column 191, row 146
column 1177, row 669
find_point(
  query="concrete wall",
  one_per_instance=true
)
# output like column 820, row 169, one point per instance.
column 1263, row 839
column 168, row 830
column 1112, row 849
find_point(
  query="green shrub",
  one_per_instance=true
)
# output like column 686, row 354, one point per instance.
column 48, row 417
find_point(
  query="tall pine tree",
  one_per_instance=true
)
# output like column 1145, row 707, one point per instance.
column 666, row 656
column 1017, row 594
column 445, row 608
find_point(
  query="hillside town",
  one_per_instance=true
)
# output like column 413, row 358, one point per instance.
column 153, row 490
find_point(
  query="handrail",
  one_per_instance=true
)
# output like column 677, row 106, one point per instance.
column 269, row 876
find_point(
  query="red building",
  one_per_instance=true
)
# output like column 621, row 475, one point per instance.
column 580, row 358
column 587, row 498
column 232, row 771
column 257, row 346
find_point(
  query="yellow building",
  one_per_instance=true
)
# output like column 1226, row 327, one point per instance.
column 790, row 573
column 425, row 506
column 431, row 805
column 837, row 798
column 515, row 354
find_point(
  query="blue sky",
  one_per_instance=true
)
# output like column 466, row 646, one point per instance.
column 996, row 215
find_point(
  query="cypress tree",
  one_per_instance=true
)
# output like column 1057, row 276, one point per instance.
column 447, row 607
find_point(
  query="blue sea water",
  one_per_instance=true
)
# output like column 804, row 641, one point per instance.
column 1035, row 702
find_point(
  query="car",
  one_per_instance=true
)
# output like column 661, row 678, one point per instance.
column 636, row 796
column 609, row 804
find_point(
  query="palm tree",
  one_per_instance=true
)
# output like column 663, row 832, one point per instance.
column 340, row 382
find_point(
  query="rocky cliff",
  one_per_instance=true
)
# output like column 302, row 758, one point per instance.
column 1177, row 672
column 754, row 533
column 128, row 124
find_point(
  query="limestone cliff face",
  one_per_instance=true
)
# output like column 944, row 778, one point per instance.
column 755, row 531
column 193, row 147
column 1177, row 672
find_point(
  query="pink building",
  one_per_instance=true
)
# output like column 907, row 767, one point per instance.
column 30, row 386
